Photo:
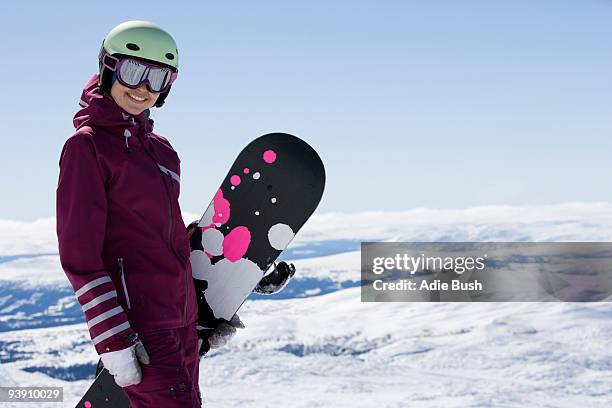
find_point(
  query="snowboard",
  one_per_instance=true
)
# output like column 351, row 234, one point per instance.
column 104, row 392
column 273, row 187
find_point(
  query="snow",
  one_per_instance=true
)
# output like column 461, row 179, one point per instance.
column 334, row 350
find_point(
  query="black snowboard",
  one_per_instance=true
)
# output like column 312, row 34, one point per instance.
column 272, row 188
column 104, row 393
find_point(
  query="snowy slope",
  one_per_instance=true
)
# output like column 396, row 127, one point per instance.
column 329, row 349
column 333, row 350
column 35, row 293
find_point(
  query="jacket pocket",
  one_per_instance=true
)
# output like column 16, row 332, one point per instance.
column 122, row 276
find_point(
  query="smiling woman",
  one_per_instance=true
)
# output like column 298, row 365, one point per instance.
column 135, row 245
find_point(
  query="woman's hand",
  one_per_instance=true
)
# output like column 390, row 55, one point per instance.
column 124, row 364
column 276, row 280
column 219, row 336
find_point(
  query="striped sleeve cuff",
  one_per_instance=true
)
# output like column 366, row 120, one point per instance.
column 106, row 319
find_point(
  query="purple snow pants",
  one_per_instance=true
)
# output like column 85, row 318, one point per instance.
column 171, row 378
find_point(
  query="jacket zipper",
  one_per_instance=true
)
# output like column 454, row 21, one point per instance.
column 168, row 193
column 170, row 235
column 171, row 216
column 170, row 212
column 185, row 279
column 122, row 275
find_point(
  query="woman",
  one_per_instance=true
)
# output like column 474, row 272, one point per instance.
column 122, row 240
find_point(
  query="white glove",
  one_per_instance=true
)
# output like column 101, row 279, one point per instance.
column 124, row 364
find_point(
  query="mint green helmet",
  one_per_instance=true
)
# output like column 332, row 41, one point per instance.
column 142, row 40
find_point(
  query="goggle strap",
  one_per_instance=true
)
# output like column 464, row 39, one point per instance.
column 113, row 60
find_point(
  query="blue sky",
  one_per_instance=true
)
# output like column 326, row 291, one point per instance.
column 438, row 104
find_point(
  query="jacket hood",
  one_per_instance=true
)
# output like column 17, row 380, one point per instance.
column 101, row 110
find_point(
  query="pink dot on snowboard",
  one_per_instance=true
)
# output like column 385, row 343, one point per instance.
column 235, row 180
column 222, row 208
column 236, row 243
column 269, row 156
column 87, row 404
column 246, row 170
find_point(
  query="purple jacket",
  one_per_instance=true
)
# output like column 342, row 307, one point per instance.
column 122, row 240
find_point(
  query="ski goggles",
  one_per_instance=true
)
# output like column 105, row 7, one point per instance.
column 132, row 73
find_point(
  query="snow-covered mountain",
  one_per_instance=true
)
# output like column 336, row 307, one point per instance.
column 317, row 344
